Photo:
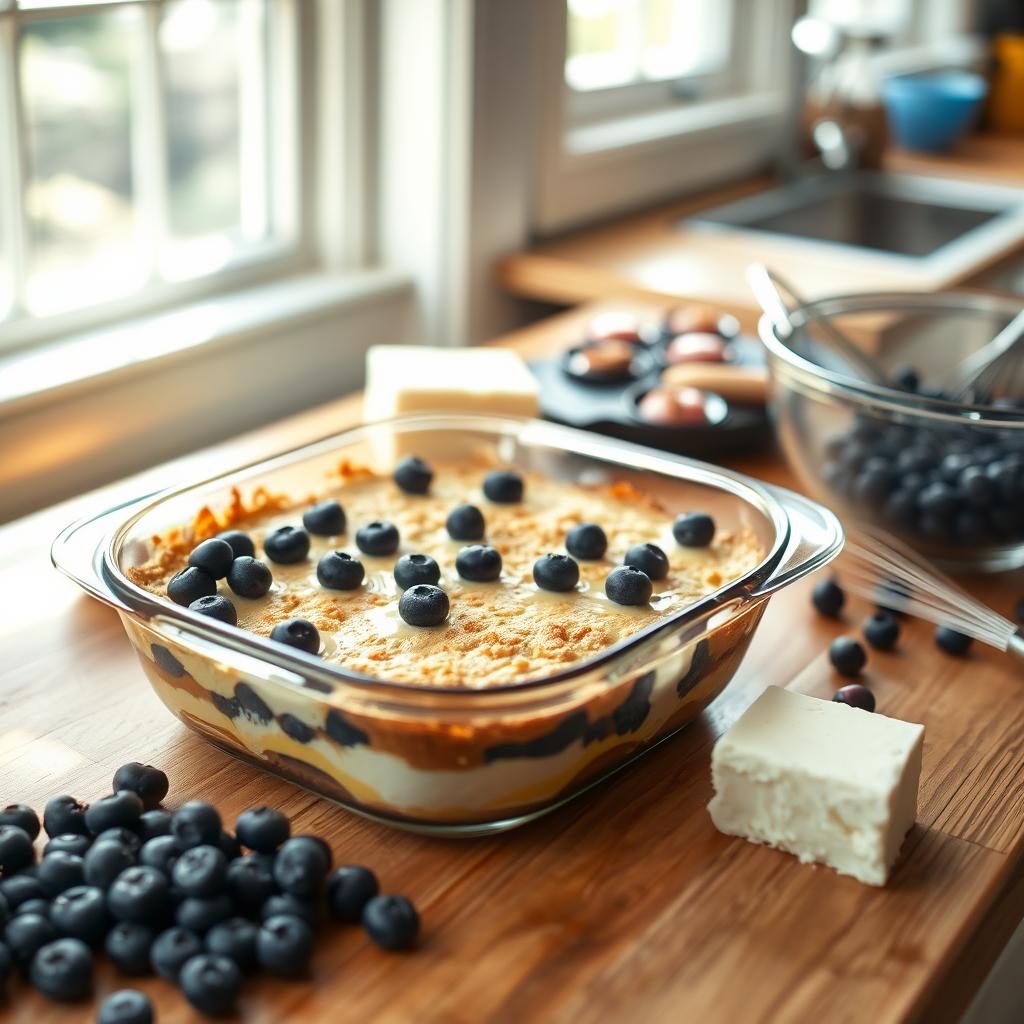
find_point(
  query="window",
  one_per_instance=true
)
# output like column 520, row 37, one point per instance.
column 147, row 153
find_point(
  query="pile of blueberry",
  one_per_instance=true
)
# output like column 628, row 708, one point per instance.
column 231, row 556
column 173, row 893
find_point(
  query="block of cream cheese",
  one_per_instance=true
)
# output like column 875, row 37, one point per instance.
column 829, row 783
column 417, row 379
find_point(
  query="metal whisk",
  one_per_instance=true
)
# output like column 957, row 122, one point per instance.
column 993, row 368
column 884, row 570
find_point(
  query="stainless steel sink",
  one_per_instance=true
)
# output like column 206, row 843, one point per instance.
column 932, row 224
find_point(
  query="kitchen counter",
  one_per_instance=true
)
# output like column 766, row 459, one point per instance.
column 624, row 905
column 649, row 254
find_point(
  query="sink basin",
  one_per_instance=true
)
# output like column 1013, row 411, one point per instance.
column 935, row 224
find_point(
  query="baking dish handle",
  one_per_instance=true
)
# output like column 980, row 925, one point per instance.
column 815, row 538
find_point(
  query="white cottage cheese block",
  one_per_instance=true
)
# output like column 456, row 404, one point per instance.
column 829, row 783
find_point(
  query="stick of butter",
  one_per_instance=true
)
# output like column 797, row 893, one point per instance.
column 414, row 378
column 829, row 783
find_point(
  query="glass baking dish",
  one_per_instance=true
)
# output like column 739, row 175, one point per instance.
column 449, row 760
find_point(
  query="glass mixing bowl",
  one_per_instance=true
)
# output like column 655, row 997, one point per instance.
column 946, row 477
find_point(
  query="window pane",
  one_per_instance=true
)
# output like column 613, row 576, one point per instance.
column 214, row 57
column 76, row 76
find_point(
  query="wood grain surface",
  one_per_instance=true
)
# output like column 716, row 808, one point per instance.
column 626, row 905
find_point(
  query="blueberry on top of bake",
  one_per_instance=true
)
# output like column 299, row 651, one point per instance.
column 587, row 541
column 377, row 538
column 189, row 585
column 249, row 577
column 413, row 475
column 479, row 563
column 694, row 529
column 216, row 606
column 213, row 556
column 648, row 558
column 413, row 569
column 629, row 586
column 503, row 487
column 241, row 543
column 286, row 545
column 338, row 570
column 556, row 572
column 465, row 522
column 325, row 518
column 297, row 633
column 423, row 605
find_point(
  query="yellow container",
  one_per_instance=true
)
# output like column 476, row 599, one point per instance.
column 1006, row 98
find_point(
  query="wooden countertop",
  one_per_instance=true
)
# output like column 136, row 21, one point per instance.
column 625, row 905
column 649, row 254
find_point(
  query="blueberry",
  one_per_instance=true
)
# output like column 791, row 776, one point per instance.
column 413, row 569
column 951, row 641
column 828, row 598
column 20, row 889
column 1018, row 610
column 250, row 881
column 120, row 810
column 262, row 829
column 16, row 850
column 901, row 507
column 148, row 783
column 465, row 522
column 649, row 559
column 288, row 906
column 6, row 963
column 235, row 939
column 200, row 871
column 81, row 913
column 503, row 487
column 413, row 475
column 229, row 846
column 140, row 895
column 241, row 543
column 200, row 913
column 286, row 545
column 36, row 906
column 423, row 605
column 213, row 556
column 556, row 572
column 882, row 631
column 125, row 836
column 906, row 378
column 340, row 571
column 377, row 538
column 60, row 871
column 160, row 852
column 479, row 562
column 298, row 633
column 874, row 482
column 216, row 607
column 171, row 950
column 128, row 946
column 25, row 933
column 191, row 584
column 856, row 696
column 938, row 500
column 301, row 867
column 126, row 1007
column 62, row 970
column 325, row 519
column 196, row 824
column 914, row 460
column 847, row 656
column 105, row 861
column 249, row 577
column 5, row 911
column 211, row 983
column 693, row 529
column 349, row 889
column 977, row 487
column 68, row 843
column 391, row 921
column 284, row 946
column 154, row 823
column 627, row 585
column 586, row 541
column 22, row 816
column 321, row 844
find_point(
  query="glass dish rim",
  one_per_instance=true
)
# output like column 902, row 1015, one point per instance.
column 150, row 607
column 828, row 382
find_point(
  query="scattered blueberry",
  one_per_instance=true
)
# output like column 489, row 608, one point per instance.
column 36, row 906
column 229, row 846
column 200, row 913
column 391, row 921
column 377, row 538
column 1018, row 610
column 160, row 852
column 22, row 816
column 479, row 562
column 68, row 843
column 301, row 866
column 241, row 543
column 586, row 541
column 951, row 641
column 26, row 933
column 105, row 861
column 16, row 850
column 125, row 836
column 423, row 605
column 881, row 630
column 649, row 559
column 172, row 949
column 127, row 1006
column 235, row 939
column 694, row 529
column 413, row 569
column 847, row 656
column 465, row 522
column 628, row 586
column 64, row 814
column 284, row 946
column 262, row 829
column 828, row 598
column 556, row 572
column 856, row 695
column 286, row 545
column 289, row 906
column 62, row 970
column 413, row 475
column 196, row 823
column 128, row 946
column 19, row 889
column 60, row 871
column 148, row 783
column 503, row 487
column 216, row 607
column 211, row 983
column 249, row 577
column 189, row 585
column 140, row 895
column 156, row 822
column 338, row 570
column 250, row 881
column 6, row 963
column 325, row 518
column 119, row 810
column 213, row 556
column 298, row 633
column 349, row 889
column 200, row 871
